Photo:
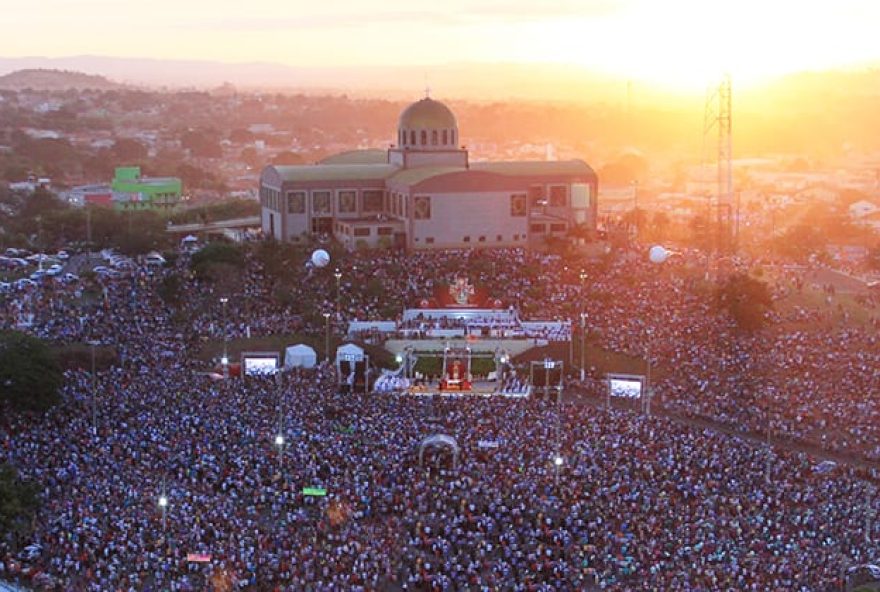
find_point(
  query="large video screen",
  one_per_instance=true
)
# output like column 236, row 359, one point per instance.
column 628, row 389
column 260, row 366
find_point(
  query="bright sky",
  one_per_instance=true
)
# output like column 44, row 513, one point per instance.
column 679, row 43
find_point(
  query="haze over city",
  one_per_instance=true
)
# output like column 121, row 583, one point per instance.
column 679, row 46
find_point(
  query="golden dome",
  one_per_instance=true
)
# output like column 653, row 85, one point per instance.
column 427, row 114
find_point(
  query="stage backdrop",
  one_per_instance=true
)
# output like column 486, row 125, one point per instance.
column 461, row 294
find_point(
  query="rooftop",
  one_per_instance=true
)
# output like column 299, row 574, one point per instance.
column 334, row 172
column 371, row 156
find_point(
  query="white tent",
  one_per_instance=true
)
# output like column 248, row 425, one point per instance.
column 349, row 352
column 300, row 356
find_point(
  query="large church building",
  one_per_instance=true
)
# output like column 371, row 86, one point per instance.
column 424, row 193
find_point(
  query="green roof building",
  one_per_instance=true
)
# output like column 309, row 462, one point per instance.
column 131, row 191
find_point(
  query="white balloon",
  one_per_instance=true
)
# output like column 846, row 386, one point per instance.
column 658, row 254
column 320, row 258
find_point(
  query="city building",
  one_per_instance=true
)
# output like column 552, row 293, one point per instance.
column 92, row 195
column 425, row 193
column 132, row 191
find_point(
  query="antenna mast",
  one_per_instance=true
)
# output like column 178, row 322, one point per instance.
column 718, row 120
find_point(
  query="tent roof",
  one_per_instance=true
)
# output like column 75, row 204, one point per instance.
column 300, row 348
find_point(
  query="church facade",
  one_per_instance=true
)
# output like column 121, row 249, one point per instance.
column 425, row 193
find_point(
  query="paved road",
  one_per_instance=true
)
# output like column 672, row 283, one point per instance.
column 80, row 262
column 842, row 282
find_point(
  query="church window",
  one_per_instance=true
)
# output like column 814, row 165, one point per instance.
column 434, row 137
column 347, row 202
column 445, row 137
column 558, row 196
column 296, row 202
column 412, row 137
column 422, row 207
column 424, row 138
column 372, row 200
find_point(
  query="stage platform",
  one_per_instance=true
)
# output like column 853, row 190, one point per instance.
column 478, row 389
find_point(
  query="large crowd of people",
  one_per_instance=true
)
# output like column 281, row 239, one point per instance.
column 567, row 497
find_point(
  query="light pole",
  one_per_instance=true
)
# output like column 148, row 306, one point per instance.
column 94, row 393
column 338, row 275
column 327, row 337
column 635, row 186
column 279, row 439
column 557, row 464
column 279, row 442
column 583, row 277
column 163, row 504
column 769, row 445
column 225, row 359
column 583, row 346
column 657, row 255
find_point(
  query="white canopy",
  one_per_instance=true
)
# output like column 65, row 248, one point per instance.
column 300, row 356
column 349, row 352
column 443, row 441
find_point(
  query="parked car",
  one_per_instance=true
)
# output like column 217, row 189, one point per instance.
column 24, row 283
column 154, row 259
column 63, row 255
column 54, row 270
column 122, row 263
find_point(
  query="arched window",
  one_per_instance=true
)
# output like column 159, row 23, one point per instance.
column 452, row 137
column 435, row 138
column 412, row 138
column 424, row 138
column 445, row 137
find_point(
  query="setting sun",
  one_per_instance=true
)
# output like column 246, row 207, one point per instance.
column 679, row 45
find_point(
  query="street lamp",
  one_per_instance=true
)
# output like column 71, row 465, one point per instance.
column 163, row 503
column 327, row 337
column 279, row 442
column 94, row 392
column 225, row 359
column 583, row 346
column 657, row 255
column 338, row 275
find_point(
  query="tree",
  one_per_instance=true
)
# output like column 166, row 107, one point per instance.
column 29, row 373
column 128, row 150
column 874, row 258
column 18, row 502
column 202, row 143
column 287, row 157
column 216, row 259
column 746, row 300
column 801, row 241
column 241, row 136
column 660, row 224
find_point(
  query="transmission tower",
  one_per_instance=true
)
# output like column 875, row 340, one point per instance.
column 717, row 126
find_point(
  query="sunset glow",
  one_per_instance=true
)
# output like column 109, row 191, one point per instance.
column 678, row 45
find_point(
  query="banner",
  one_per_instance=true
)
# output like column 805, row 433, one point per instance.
column 316, row 491
column 198, row 557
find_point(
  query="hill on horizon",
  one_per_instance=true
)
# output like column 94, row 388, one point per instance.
column 52, row 79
